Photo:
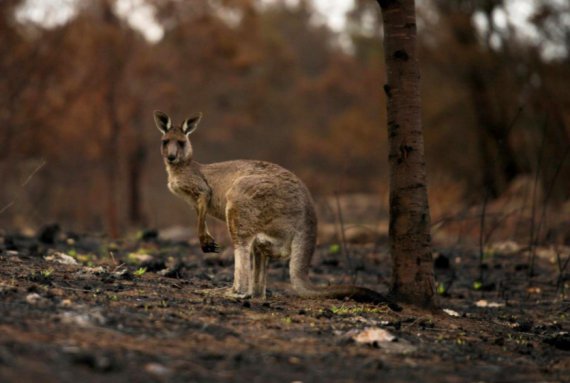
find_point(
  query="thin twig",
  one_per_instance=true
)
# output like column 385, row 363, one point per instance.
column 561, row 270
column 533, row 236
column 23, row 185
column 40, row 166
column 482, row 235
column 344, row 245
column 498, row 223
column 7, row 207
column 548, row 194
column 462, row 216
column 514, row 120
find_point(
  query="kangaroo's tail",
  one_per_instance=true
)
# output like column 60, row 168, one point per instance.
column 359, row 294
column 302, row 249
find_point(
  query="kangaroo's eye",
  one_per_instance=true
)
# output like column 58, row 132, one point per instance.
column 165, row 142
column 181, row 144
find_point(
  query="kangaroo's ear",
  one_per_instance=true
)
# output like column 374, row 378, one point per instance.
column 162, row 121
column 190, row 124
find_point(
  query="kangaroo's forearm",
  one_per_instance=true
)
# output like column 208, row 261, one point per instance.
column 202, row 210
column 207, row 243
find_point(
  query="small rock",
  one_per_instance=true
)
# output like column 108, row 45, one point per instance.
column 88, row 318
column 35, row 298
column 55, row 256
column 157, row 369
column 49, row 233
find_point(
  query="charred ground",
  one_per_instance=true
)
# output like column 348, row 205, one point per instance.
column 139, row 310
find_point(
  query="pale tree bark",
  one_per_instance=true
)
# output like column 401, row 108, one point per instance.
column 410, row 239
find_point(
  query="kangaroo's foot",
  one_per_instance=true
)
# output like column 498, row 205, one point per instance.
column 219, row 292
column 231, row 293
column 209, row 245
column 224, row 292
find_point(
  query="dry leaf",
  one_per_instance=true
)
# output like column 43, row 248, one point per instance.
column 484, row 303
column 371, row 335
column 451, row 312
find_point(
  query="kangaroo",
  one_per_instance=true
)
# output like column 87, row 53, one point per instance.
column 269, row 213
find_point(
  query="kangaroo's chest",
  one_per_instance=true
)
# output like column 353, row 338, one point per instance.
column 188, row 191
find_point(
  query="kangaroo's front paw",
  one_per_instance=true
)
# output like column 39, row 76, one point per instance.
column 209, row 245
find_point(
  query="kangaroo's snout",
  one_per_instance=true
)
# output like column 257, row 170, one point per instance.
column 171, row 158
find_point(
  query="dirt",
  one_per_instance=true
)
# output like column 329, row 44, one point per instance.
column 142, row 310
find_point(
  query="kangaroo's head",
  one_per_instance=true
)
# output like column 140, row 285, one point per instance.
column 176, row 147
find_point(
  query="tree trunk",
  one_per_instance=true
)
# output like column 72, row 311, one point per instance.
column 410, row 239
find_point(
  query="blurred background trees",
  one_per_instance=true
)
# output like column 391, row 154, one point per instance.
column 274, row 83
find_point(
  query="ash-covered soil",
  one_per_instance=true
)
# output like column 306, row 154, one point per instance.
column 83, row 308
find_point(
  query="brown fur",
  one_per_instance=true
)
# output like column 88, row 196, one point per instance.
column 268, row 210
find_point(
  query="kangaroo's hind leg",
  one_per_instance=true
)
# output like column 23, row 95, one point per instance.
column 259, row 280
column 243, row 270
column 243, row 252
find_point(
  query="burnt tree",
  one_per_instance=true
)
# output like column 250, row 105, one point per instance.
column 410, row 239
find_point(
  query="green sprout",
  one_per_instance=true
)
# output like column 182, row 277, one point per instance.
column 47, row 273
column 140, row 271
column 334, row 248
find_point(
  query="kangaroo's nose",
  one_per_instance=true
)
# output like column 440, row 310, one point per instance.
column 171, row 157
